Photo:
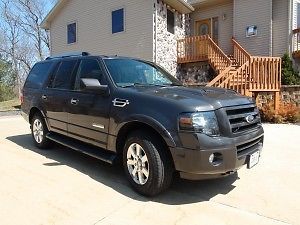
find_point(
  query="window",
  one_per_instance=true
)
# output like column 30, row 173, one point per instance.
column 89, row 68
column 130, row 72
column 215, row 30
column 38, row 75
column 63, row 76
column 170, row 21
column 72, row 33
column 117, row 21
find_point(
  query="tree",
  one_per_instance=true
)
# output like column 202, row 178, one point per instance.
column 22, row 40
column 31, row 14
column 289, row 75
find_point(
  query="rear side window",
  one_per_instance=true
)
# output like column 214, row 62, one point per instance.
column 63, row 76
column 38, row 75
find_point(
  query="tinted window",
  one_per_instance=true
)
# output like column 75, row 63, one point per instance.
column 127, row 72
column 89, row 68
column 170, row 21
column 117, row 21
column 72, row 31
column 38, row 75
column 63, row 76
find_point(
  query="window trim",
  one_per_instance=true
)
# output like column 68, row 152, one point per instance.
column 76, row 35
column 124, row 19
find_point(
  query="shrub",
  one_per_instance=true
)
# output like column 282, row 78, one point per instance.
column 287, row 112
column 6, row 93
column 289, row 75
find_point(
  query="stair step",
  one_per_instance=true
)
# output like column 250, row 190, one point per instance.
column 83, row 148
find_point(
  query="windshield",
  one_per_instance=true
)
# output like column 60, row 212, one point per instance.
column 130, row 72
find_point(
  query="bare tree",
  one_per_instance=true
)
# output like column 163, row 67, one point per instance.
column 31, row 15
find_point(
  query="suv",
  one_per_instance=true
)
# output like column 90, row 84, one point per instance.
column 133, row 110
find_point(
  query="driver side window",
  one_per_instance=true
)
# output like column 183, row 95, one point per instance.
column 89, row 68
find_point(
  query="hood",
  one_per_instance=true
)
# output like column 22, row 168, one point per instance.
column 197, row 99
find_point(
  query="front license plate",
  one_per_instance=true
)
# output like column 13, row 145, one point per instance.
column 253, row 159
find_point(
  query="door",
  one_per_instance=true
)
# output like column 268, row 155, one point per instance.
column 208, row 27
column 89, row 111
column 56, row 95
column 203, row 27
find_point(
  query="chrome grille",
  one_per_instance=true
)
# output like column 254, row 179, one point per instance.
column 239, row 118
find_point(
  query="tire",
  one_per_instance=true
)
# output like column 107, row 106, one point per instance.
column 39, row 131
column 146, row 164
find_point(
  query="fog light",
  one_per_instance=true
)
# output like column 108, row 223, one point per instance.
column 215, row 159
column 211, row 158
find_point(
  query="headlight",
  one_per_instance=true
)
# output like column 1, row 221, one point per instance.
column 201, row 122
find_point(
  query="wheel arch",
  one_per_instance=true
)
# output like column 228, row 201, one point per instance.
column 35, row 110
column 155, row 128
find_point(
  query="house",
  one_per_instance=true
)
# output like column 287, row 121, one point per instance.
column 192, row 39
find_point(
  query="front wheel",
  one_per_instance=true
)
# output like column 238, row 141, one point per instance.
column 39, row 131
column 146, row 164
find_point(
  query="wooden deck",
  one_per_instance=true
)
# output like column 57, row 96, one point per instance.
column 296, row 43
column 243, row 73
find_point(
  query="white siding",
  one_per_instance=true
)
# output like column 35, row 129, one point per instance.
column 280, row 27
column 225, row 25
column 94, row 27
column 259, row 13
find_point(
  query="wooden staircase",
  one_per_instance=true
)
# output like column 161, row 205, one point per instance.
column 239, row 71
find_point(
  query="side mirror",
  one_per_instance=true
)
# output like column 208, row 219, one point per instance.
column 93, row 85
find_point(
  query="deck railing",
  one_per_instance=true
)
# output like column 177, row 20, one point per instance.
column 265, row 73
column 200, row 48
column 239, row 53
column 296, row 43
column 250, row 74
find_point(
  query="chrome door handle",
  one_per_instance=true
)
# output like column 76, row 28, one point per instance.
column 74, row 101
column 44, row 97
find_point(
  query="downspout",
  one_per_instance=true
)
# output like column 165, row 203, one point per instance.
column 290, row 27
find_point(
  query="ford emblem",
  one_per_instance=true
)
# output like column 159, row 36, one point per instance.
column 250, row 119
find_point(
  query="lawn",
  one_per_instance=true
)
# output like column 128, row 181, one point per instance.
column 10, row 105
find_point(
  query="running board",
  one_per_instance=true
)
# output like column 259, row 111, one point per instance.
column 83, row 147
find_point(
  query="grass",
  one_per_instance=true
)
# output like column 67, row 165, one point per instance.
column 10, row 105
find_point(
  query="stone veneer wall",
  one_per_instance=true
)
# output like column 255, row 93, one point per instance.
column 195, row 73
column 289, row 93
column 165, row 42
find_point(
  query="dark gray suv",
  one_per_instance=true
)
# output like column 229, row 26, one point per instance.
column 130, row 109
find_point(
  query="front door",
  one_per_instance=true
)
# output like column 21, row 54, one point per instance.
column 203, row 27
column 208, row 27
column 89, row 111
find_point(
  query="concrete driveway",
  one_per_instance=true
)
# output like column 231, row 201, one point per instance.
column 60, row 186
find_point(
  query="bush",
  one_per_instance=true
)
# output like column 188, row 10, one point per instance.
column 6, row 93
column 287, row 112
column 289, row 75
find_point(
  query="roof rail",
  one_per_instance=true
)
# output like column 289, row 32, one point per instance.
column 66, row 55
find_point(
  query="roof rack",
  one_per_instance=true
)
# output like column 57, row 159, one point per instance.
column 66, row 55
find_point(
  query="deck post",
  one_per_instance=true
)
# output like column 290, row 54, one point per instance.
column 276, row 100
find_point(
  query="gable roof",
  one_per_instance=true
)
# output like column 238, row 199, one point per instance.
column 180, row 5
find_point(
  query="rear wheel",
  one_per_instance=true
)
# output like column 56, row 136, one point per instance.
column 39, row 131
column 146, row 164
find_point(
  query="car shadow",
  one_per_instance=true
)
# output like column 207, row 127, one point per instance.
column 180, row 192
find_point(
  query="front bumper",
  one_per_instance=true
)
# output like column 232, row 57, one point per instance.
column 193, row 163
